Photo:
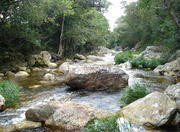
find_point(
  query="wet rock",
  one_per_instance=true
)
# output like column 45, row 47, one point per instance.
column 170, row 69
column 49, row 77
column 96, row 77
column 152, row 52
column 21, row 74
column 10, row 74
column 73, row 116
column 2, row 103
column 154, row 110
column 79, row 57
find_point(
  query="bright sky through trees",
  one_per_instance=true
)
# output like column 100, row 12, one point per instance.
column 115, row 11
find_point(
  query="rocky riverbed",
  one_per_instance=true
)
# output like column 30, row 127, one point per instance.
column 94, row 73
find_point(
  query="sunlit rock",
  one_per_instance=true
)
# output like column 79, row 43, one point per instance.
column 73, row 116
column 65, row 115
column 21, row 74
column 170, row 69
column 49, row 77
column 152, row 52
column 79, row 57
column 154, row 110
column 10, row 74
column 2, row 103
column 173, row 92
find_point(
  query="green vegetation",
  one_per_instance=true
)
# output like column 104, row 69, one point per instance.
column 131, row 94
column 55, row 25
column 149, row 22
column 108, row 124
column 10, row 91
column 141, row 62
column 125, row 56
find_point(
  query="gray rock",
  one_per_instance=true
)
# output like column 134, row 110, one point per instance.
column 169, row 69
column 96, row 77
column 152, row 52
column 154, row 110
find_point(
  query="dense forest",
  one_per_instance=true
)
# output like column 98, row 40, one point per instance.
column 61, row 26
column 77, row 26
column 149, row 22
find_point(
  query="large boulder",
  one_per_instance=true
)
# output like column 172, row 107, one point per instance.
column 64, row 115
column 96, row 77
column 173, row 92
column 154, row 110
column 152, row 52
column 21, row 74
column 169, row 69
column 41, row 113
column 43, row 59
column 2, row 103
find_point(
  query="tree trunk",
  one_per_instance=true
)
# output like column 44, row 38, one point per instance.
column 60, row 51
column 167, row 4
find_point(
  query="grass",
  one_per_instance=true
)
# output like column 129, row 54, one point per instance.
column 123, row 57
column 131, row 94
column 108, row 124
column 10, row 91
column 141, row 62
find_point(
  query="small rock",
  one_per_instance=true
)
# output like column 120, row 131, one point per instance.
column 49, row 77
column 35, row 86
column 10, row 74
column 36, row 69
column 52, row 65
column 2, row 103
column 22, row 68
column 79, row 57
column 1, row 75
column 21, row 74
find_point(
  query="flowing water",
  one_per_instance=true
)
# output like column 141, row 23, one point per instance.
column 103, row 100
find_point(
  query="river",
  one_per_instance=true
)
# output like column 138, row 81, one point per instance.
column 102, row 100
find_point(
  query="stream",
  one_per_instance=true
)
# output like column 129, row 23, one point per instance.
column 102, row 100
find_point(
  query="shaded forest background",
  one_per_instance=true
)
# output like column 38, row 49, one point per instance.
column 30, row 26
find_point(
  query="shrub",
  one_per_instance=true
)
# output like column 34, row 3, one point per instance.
column 108, row 124
column 10, row 91
column 123, row 57
column 130, row 94
column 141, row 62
